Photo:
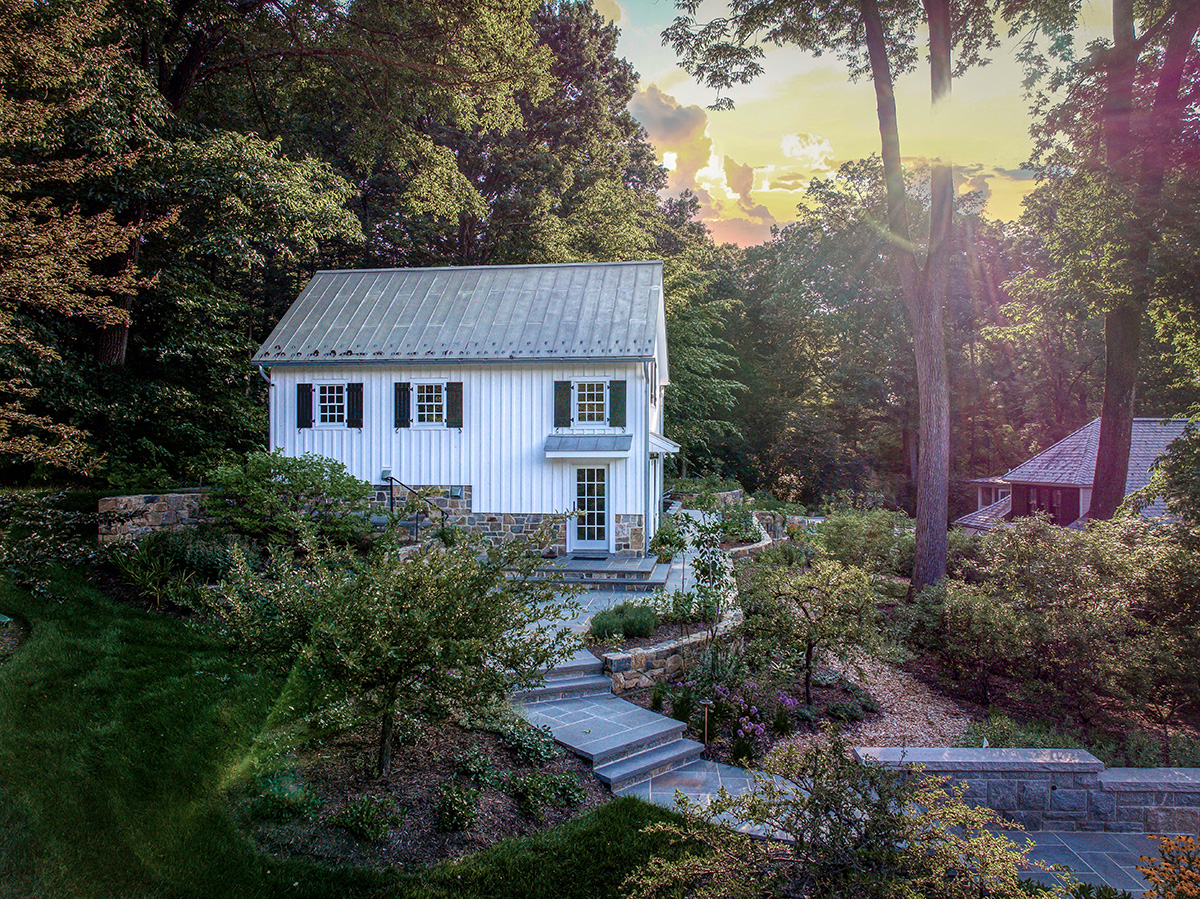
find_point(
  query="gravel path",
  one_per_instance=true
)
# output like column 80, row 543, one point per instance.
column 911, row 714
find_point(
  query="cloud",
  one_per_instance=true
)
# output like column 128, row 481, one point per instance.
column 674, row 128
column 722, row 184
column 811, row 151
column 790, row 180
column 974, row 178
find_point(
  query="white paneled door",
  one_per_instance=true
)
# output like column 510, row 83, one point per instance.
column 590, row 528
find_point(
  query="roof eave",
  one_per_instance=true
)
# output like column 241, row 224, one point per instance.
column 444, row 360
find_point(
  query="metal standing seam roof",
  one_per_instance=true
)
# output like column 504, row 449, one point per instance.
column 597, row 443
column 988, row 517
column 584, row 311
column 1072, row 461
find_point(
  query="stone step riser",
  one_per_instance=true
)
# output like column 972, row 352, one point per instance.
column 685, row 754
column 634, row 747
column 572, row 687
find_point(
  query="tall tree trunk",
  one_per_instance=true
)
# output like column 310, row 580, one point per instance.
column 112, row 341
column 1122, row 326
column 924, row 292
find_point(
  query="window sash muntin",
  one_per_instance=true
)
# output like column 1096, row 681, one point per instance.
column 429, row 404
column 331, row 404
column 591, row 402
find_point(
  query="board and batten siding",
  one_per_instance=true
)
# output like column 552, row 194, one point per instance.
column 508, row 412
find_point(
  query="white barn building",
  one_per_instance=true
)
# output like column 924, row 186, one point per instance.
column 515, row 392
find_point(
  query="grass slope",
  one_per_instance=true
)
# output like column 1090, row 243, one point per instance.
column 119, row 734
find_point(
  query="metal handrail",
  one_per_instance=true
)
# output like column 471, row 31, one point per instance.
column 414, row 492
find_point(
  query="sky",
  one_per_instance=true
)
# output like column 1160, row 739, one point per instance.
column 802, row 118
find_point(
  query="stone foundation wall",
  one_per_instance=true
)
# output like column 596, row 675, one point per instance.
column 499, row 527
column 1061, row 789
column 439, row 496
column 650, row 665
column 124, row 518
column 630, row 534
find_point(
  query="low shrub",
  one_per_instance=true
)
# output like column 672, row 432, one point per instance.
column 628, row 619
column 865, row 538
column 786, row 553
column 477, row 768
column 457, row 807
column 1003, row 732
column 281, row 796
column 368, row 817
column 738, row 525
column 534, row 745
column 534, row 792
column 1175, row 874
column 847, row 710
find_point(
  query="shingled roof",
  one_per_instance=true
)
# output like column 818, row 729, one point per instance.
column 603, row 311
column 1072, row 461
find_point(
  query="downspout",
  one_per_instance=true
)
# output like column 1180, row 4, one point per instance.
column 646, row 458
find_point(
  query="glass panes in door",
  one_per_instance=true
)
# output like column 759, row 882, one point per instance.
column 591, row 501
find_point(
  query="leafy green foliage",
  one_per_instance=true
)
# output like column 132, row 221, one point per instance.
column 285, row 500
column 797, row 617
column 368, row 817
column 457, row 807
column 441, row 629
column 865, row 538
column 536, row 791
column 532, row 745
column 628, row 619
column 859, row 831
column 668, row 541
column 283, row 795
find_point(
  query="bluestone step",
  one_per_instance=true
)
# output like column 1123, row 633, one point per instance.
column 576, row 667
column 564, row 687
column 622, row 772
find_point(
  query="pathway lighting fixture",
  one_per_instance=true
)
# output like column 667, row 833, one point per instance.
column 706, row 704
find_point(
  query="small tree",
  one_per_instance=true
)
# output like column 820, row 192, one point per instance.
column 447, row 628
column 851, row 830
column 807, row 614
column 284, row 500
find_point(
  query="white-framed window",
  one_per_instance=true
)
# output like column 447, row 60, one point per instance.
column 331, row 405
column 429, row 405
column 591, row 403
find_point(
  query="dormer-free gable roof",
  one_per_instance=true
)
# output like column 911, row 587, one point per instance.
column 505, row 313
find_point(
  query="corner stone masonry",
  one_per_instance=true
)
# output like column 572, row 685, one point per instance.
column 1060, row 789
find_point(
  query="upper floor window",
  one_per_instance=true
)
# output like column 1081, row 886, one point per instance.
column 591, row 402
column 431, row 404
column 331, row 404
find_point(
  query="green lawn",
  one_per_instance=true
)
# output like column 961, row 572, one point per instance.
column 119, row 732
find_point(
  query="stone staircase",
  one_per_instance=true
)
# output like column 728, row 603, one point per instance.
column 625, row 743
column 610, row 572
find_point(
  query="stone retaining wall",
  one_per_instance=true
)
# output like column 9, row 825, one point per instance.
column 1061, row 789
column 724, row 498
column 776, row 524
column 124, row 518
column 649, row 665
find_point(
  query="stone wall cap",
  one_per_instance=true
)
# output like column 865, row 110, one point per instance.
column 1140, row 780
column 963, row 759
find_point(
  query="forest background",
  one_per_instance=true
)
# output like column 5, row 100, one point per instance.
column 172, row 174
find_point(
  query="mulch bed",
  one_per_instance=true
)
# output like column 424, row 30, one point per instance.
column 343, row 769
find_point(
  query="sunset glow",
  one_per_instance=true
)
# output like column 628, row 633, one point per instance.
column 803, row 118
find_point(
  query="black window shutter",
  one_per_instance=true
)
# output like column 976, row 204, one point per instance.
column 616, row 404
column 354, row 405
column 304, row 405
column 454, row 409
column 403, row 398
column 562, row 404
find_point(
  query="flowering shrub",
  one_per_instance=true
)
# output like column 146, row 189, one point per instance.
column 744, row 706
